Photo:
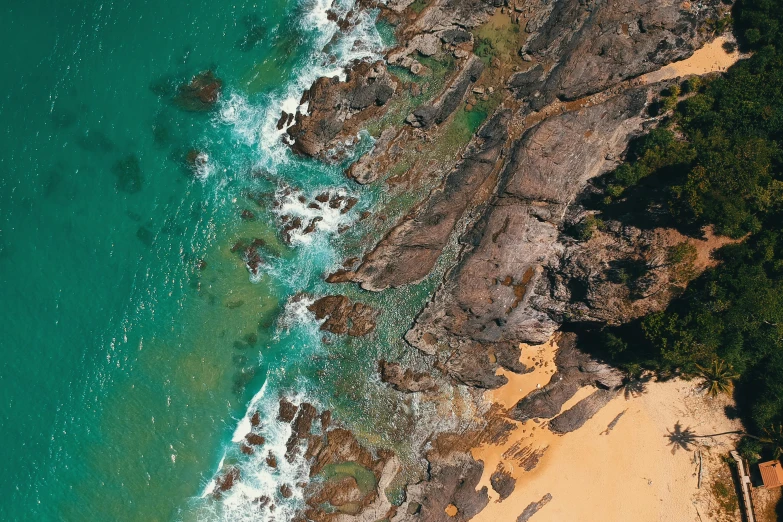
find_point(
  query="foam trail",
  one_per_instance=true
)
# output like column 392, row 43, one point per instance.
column 255, row 125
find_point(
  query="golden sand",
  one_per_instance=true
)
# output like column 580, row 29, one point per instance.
column 710, row 58
column 629, row 471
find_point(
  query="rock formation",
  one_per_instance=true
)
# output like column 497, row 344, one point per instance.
column 343, row 317
column 200, row 94
column 570, row 105
column 335, row 107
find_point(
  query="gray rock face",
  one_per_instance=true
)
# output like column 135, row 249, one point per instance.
column 533, row 508
column 575, row 417
column 599, row 43
column 453, row 481
column 444, row 105
column 574, row 370
column 408, row 253
column 489, row 296
column 621, row 274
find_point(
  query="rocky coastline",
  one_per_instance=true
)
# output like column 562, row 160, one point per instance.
column 562, row 89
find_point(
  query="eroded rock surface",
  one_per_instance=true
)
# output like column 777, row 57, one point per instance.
column 595, row 45
column 488, row 297
column 441, row 108
column 409, row 252
column 334, row 105
column 341, row 316
column 533, row 508
column 574, row 370
column 453, row 482
column 581, row 412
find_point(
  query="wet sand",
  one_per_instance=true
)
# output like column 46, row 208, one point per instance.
column 631, row 471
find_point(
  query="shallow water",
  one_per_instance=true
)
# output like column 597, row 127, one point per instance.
column 133, row 339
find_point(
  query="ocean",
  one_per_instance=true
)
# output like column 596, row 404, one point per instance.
column 136, row 336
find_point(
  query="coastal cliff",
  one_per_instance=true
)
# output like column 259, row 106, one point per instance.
column 564, row 94
column 555, row 91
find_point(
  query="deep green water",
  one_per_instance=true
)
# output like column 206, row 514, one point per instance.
column 125, row 367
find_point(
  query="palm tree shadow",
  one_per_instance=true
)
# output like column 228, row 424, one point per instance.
column 681, row 438
column 633, row 388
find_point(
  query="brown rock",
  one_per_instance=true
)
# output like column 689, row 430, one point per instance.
column 200, row 94
column 255, row 419
column 227, row 480
column 271, row 460
column 254, row 439
column 405, row 380
column 502, row 482
column 343, row 317
column 300, row 428
column 287, row 410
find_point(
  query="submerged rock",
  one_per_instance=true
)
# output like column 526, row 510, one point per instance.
column 200, row 94
column 405, row 380
column 128, row 174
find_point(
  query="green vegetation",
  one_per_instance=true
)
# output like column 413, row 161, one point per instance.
column 418, row 6
column 498, row 38
column 365, row 479
column 718, row 378
column 723, row 492
column 716, row 160
column 585, row 229
column 485, row 49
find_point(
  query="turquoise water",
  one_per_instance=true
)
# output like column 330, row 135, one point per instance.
column 133, row 339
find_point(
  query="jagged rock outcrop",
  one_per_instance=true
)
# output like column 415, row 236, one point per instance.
column 533, row 508
column 452, row 483
column 619, row 275
column 574, row 370
column 502, row 482
column 334, row 106
column 487, row 297
column 574, row 418
column 442, row 107
column 597, row 44
column 341, row 316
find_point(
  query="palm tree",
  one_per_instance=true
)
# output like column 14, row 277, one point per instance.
column 773, row 436
column 718, row 377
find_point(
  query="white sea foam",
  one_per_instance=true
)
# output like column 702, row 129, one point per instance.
column 255, row 125
column 326, row 219
column 260, row 482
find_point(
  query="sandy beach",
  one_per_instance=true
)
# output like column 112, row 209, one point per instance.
column 622, row 464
